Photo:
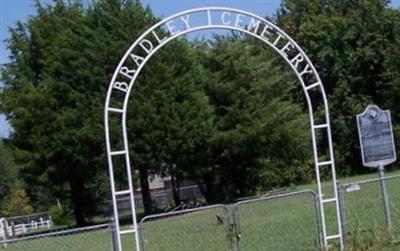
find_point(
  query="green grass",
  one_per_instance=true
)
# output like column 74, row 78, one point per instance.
column 275, row 224
column 193, row 231
column 287, row 223
column 88, row 241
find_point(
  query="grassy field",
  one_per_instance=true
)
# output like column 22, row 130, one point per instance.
column 88, row 241
column 274, row 224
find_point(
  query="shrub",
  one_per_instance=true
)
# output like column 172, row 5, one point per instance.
column 17, row 203
column 61, row 215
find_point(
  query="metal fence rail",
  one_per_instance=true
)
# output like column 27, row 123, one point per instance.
column 197, row 229
column 277, row 221
column 281, row 222
column 94, row 238
column 363, row 209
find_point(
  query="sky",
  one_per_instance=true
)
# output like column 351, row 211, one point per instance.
column 13, row 10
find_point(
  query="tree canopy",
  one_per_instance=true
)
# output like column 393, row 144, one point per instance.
column 53, row 95
column 351, row 44
column 225, row 112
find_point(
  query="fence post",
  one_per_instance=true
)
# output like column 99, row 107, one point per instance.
column 113, row 235
column 318, row 222
column 342, row 213
column 13, row 233
column 142, row 241
column 5, row 229
column 385, row 198
column 236, row 229
column 232, row 230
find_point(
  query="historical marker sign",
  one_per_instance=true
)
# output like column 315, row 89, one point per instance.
column 376, row 137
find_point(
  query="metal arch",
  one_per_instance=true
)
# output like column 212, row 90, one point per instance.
column 123, row 111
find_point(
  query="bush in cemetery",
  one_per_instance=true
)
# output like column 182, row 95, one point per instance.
column 61, row 215
column 9, row 172
column 17, row 203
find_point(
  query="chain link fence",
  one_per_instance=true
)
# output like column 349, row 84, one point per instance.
column 94, row 238
column 198, row 229
column 287, row 221
column 273, row 222
column 363, row 210
column 281, row 222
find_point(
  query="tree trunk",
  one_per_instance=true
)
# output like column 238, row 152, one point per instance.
column 145, row 187
column 77, row 184
column 208, row 189
column 175, row 186
column 230, row 187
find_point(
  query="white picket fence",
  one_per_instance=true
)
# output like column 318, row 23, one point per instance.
column 7, row 229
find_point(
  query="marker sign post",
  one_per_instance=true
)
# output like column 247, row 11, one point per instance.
column 377, row 146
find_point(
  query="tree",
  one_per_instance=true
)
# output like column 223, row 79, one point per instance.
column 252, row 94
column 349, row 43
column 9, row 173
column 53, row 96
column 54, row 87
column 389, row 88
column 17, row 203
column 170, row 118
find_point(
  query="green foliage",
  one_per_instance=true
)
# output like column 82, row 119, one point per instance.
column 169, row 114
column 61, row 215
column 9, row 172
column 170, row 117
column 53, row 96
column 260, row 127
column 226, row 113
column 17, row 203
column 352, row 44
column 365, row 239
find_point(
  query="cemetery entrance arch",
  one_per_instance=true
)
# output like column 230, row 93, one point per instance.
column 193, row 20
